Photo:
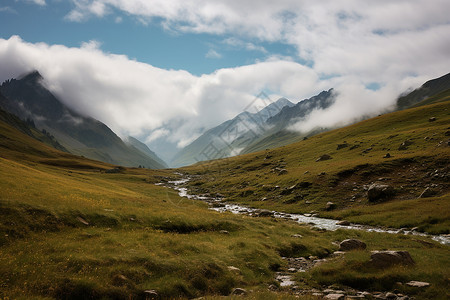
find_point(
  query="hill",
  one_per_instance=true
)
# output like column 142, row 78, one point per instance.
column 28, row 99
column 230, row 137
column 427, row 90
column 406, row 150
column 74, row 228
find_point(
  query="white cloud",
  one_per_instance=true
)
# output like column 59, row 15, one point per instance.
column 38, row 2
column 213, row 54
column 139, row 99
column 347, row 44
column 8, row 10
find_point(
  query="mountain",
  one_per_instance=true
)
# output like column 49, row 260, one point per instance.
column 230, row 137
column 279, row 134
column 28, row 99
column 133, row 142
column 428, row 89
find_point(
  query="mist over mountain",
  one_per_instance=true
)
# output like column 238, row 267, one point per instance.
column 230, row 137
column 29, row 99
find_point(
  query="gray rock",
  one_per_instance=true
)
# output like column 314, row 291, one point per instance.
column 432, row 119
column 390, row 295
column 330, row 206
column 352, row 244
column 385, row 259
column 341, row 146
column 417, row 284
column 151, row 294
column 324, row 157
column 378, row 192
column 427, row 193
column 405, row 145
column 265, row 213
column 343, row 223
column 239, row 291
column 335, row 297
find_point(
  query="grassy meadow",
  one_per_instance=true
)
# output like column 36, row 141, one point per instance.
column 70, row 230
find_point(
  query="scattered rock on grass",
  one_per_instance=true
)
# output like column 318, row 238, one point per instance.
column 384, row 259
column 335, row 297
column 239, row 291
column 432, row 119
column 330, row 206
column 418, row 284
column 405, row 145
column 427, row 193
column 324, row 157
column 151, row 294
column 343, row 223
column 352, row 244
column 378, row 192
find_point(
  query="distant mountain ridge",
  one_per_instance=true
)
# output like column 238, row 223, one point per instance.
column 27, row 98
column 428, row 89
column 230, row 137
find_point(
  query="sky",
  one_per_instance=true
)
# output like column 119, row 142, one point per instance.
column 165, row 71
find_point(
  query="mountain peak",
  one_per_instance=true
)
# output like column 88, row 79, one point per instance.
column 33, row 76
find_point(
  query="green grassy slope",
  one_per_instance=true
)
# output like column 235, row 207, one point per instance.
column 255, row 179
column 69, row 230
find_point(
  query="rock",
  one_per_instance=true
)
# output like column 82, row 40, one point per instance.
column 119, row 280
column 405, row 145
column 265, row 213
column 378, row 192
column 282, row 172
column 390, row 295
column 297, row 236
column 115, row 170
column 432, row 119
column 385, row 259
column 304, row 184
column 417, row 284
column 387, row 155
column 224, row 232
column 352, row 244
column 335, row 297
column 83, row 221
column 151, row 294
column 324, row 157
column 234, row 269
column 341, row 146
column 343, row 223
column 427, row 193
column 330, row 206
column 239, row 291
column 292, row 270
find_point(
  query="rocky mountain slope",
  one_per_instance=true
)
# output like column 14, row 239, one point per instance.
column 230, row 137
column 28, row 99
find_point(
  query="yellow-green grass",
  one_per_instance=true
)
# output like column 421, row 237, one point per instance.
column 252, row 179
column 70, row 230
column 354, row 268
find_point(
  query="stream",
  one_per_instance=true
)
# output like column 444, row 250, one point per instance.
column 219, row 205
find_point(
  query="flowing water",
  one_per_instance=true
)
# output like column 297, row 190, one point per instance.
column 219, row 205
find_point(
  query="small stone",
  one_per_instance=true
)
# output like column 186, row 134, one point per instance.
column 239, row 291
column 330, row 206
column 432, row 119
column 292, row 270
column 151, row 294
column 390, row 295
column 387, row 155
column 417, row 284
column 427, row 193
column 234, row 269
column 343, row 223
column 352, row 244
column 224, row 232
column 324, row 157
column 297, row 236
column 335, row 297
column 83, row 221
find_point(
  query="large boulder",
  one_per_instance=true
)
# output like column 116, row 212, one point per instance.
column 385, row 259
column 379, row 192
column 352, row 244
